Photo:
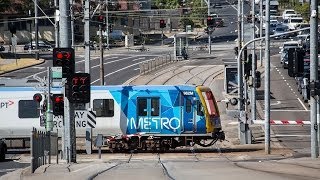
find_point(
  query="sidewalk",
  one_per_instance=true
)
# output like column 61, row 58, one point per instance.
column 9, row 65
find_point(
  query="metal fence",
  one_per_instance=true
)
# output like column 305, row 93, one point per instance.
column 156, row 63
column 43, row 145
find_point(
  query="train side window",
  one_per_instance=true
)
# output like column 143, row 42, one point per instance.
column 188, row 105
column 200, row 110
column 29, row 109
column 155, row 106
column 142, row 107
column 104, row 107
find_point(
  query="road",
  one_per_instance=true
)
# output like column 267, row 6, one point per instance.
column 122, row 65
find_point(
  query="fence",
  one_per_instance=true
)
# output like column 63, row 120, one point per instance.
column 43, row 145
column 156, row 63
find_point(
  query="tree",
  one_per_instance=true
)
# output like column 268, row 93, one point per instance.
column 303, row 10
column 4, row 5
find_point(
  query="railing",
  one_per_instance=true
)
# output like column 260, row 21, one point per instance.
column 156, row 63
column 43, row 145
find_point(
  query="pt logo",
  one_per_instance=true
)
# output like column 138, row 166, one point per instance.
column 6, row 104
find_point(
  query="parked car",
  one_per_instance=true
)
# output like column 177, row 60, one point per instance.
column 42, row 45
column 279, row 30
column 288, row 13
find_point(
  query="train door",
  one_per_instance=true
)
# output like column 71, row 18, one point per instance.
column 189, row 114
column 148, row 114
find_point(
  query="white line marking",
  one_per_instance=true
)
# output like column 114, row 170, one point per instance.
column 302, row 104
column 81, row 169
column 118, row 71
column 291, row 89
column 137, row 69
column 292, row 135
column 139, row 59
column 285, row 80
column 288, row 110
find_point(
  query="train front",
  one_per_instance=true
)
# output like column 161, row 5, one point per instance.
column 211, row 110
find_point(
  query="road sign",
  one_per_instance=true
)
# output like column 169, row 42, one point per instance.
column 231, row 79
column 83, row 119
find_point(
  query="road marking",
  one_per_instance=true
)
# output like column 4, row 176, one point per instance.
column 113, row 57
column 292, row 135
column 118, row 70
column 276, row 103
column 109, row 62
column 139, row 59
column 137, row 69
column 302, row 104
column 288, row 110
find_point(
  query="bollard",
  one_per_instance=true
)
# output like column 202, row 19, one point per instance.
column 32, row 151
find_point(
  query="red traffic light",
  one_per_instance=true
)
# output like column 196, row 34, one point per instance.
column 37, row 97
column 63, row 55
column 58, row 99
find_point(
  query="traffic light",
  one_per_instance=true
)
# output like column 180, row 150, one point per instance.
column 298, row 67
column 57, row 104
column 64, row 57
column 101, row 19
column 250, row 59
column 78, row 88
column 210, row 21
column 37, row 97
column 236, row 52
column 162, row 23
column 110, row 28
column 258, row 79
column 247, row 68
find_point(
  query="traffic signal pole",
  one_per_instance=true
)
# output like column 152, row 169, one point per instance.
column 101, row 47
column 69, row 151
column 314, row 76
column 253, row 52
column 107, row 23
column 87, row 65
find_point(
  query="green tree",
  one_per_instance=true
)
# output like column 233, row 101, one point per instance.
column 4, row 5
column 303, row 10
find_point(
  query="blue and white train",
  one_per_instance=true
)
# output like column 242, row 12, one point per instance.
column 149, row 117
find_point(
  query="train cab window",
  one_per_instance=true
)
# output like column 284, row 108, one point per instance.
column 155, row 107
column 200, row 110
column 188, row 105
column 142, row 107
column 104, row 107
column 28, row 109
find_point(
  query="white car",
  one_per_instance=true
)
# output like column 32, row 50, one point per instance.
column 288, row 13
column 294, row 21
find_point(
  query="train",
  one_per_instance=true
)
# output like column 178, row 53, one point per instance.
column 142, row 117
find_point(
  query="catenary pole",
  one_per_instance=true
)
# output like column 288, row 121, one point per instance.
column 267, row 80
column 72, row 23
column 314, row 75
column 36, row 25
column 87, row 65
column 253, row 89
column 56, row 25
column 261, row 30
column 101, row 48
column 209, row 31
column 69, row 125
column 107, row 24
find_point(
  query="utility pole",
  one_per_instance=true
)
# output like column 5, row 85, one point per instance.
column 240, row 71
column 56, row 24
column 261, row 30
column 267, row 80
column 36, row 28
column 69, row 124
column 107, row 23
column 253, row 52
column 101, row 47
column 87, row 65
column 209, row 31
column 72, row 23
column 314, row 76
